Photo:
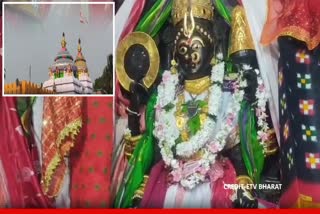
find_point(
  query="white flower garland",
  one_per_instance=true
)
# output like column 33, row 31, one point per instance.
column 191, row 172
column 262, row 96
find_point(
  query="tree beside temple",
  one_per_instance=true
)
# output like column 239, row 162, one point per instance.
column 104, row 84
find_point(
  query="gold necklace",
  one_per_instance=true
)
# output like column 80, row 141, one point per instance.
column 197, row 86
column 183, row 118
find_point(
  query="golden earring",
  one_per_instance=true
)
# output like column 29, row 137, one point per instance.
column 174, row 67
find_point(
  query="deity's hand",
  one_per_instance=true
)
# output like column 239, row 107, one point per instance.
column 138, row 94
column 252, row 83
column 245, row 199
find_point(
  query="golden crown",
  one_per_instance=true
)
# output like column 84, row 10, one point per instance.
column 199, row 8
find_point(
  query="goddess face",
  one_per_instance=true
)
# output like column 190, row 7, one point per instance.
column 194, row 52
column 137, row 62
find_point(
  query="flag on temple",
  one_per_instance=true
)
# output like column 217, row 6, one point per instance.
column 83, row 19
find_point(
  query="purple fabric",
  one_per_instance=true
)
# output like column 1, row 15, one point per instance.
column 156, row 187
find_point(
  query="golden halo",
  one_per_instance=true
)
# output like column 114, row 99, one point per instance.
column 146, row 41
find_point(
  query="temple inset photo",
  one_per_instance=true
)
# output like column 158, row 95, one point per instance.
column 58, row 49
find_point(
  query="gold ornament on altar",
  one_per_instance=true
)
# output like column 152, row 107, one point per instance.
column 184, row 9
column 241, row 38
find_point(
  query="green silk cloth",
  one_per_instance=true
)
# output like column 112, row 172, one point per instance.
column 140, row 162
column 155, row 18
column 251, row 149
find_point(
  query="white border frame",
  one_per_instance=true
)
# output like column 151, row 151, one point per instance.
column 61, row 95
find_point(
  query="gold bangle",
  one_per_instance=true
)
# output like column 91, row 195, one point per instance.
column 132, row 139
column 245, row 182
column 140, row 192
column 243, row 179
column 135, row 138
column 271, row 146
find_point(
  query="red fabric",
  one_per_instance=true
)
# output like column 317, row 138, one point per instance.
column 296, row 18
column 1, row 54
column 23, row 184
column 290, row 196
column 92, row 155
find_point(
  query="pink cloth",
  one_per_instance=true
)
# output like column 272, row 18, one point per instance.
column 4, row 196
column 226, row 175
column 156, row 188
column 222, row 172
column 118, row 173
column 23, row 183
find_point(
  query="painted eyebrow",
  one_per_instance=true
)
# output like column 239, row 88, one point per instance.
column 197, row 39
column 193, row 39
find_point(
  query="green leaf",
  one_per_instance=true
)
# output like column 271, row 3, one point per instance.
column 168, row 107
column 194, row 124
column 184, row 108
column 212, row 117
column 178, row 140
column 202, row 103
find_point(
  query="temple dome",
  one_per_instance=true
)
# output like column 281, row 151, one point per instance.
column 80, row 61
column 64, row 60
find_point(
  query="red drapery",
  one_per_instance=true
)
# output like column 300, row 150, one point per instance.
column 23, row 183
column 296, row 18
column 92, row 156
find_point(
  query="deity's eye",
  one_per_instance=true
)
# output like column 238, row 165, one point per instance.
column 196, row 46
column 183, row 50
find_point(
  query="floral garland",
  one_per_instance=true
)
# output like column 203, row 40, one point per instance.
column 190, row 173
column 262, row 96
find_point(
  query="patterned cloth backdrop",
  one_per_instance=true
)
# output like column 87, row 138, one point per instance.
column 91, row 157
column 299, row 98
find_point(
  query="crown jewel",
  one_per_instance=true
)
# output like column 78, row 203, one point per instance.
column 199, row 8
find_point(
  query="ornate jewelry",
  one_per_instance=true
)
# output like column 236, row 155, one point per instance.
column 174, row 66
column 188, row 29
column 200, row 9
column 197, row 86
column 130, row 144
column 133, row 112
